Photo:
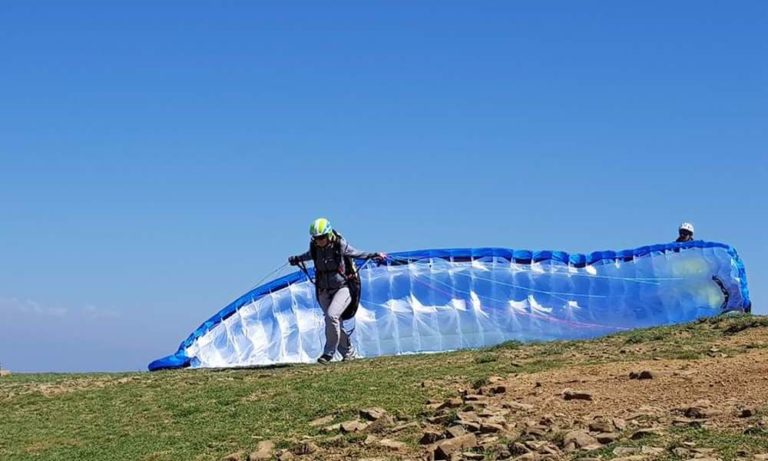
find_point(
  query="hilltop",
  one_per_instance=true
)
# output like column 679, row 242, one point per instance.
column 695, row 390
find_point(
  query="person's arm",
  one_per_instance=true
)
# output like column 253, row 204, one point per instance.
column 353, row 252
column 294, row 260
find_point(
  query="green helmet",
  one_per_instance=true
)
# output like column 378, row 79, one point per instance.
column 320, row 226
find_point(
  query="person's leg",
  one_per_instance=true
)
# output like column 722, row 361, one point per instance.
column 346, row 348
column 324, row 298
column 338, row 304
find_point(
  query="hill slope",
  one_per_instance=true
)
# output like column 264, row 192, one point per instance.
column 704, row 392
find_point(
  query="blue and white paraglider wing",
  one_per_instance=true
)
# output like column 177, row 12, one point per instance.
column 441, row 300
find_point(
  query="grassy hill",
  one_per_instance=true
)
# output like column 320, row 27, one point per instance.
column 704, row 393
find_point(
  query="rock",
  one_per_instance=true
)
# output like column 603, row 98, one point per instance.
column 237, row 456
column 495, row 379
column 579, row 440
column 619, row 424
column 607, row 437
column 381, row 424
column 645, row 374
column 404, row 426
column 306, row 448
column 430, row 436
column 472, row 455
column 372, row 414
column 645, row 432
column 489, row 428
column 392, row 444
column 747, row 412
column 601, row 425
column 570, row 394
column 535, row 431
column 455, row 431
column 475, row 398
column 5, row 373
column 286, row 455
column 265, row 450
column 517, row 406
column 626, row 451
column 332, row 428
column 471, row 426
column 451, row 403
column 530, row 456
column 499, row 389
column 761, row 457
column 632, row 458
column 654, row 451
column 681, row 452
column 322, row 421
column 370, row 440
column 688, row 422
column 700, row 412
column 353, row 426
column 445, row 448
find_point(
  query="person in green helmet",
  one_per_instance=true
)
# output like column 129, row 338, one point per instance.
column 332, row 255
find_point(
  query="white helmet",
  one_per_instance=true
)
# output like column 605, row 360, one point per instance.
column 686, row 226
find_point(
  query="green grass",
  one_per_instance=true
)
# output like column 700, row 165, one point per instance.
column 206, row 414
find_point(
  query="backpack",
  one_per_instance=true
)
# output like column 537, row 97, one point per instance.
column 349, row 273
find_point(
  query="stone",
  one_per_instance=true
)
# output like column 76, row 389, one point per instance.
column 5, row 373
column 747, row 412
column 626, row 451
column 372, row 414
column 700, row 412
column 535, row 431
column 470, row 426
column 601, row 425
column 619, row 424
column 580, row 440
column 530, row 456
column 645, row 432
column 286, row 455
column 645, row 374
column 490, row 428
column 265, row 450
column 237, row 456
column 455, row 431
column 517, row 406
column 430, row 436
column 681, row 452
column 451, row 403
column 760, row 457
column 470, row 455
column 570, row 394
column 445, row 448
column 688, row 422
column 475, row 398
column 607, row 437
column 332, row 428
column 654, row 451
column 393, row 445
column 499, row 389
column 353, row 426
column 306, row 448
column 322, row 421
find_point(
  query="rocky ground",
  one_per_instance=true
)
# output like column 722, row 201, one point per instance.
column 654, row 408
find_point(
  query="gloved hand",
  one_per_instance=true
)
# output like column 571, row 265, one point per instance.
column 380, row 257
column 293, row 260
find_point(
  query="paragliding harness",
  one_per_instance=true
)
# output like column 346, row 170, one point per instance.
column 346, row 267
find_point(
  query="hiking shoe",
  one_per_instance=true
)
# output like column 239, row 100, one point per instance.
column 325, row 359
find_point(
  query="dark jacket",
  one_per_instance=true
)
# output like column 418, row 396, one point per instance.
column 329, row 268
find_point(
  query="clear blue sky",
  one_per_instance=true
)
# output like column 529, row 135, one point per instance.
column 158, row 158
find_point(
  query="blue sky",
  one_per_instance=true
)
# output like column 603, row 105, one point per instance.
column 158, row 158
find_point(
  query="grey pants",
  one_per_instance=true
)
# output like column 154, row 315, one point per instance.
column 338, row 333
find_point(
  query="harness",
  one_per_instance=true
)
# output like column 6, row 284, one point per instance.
column 345, row 266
